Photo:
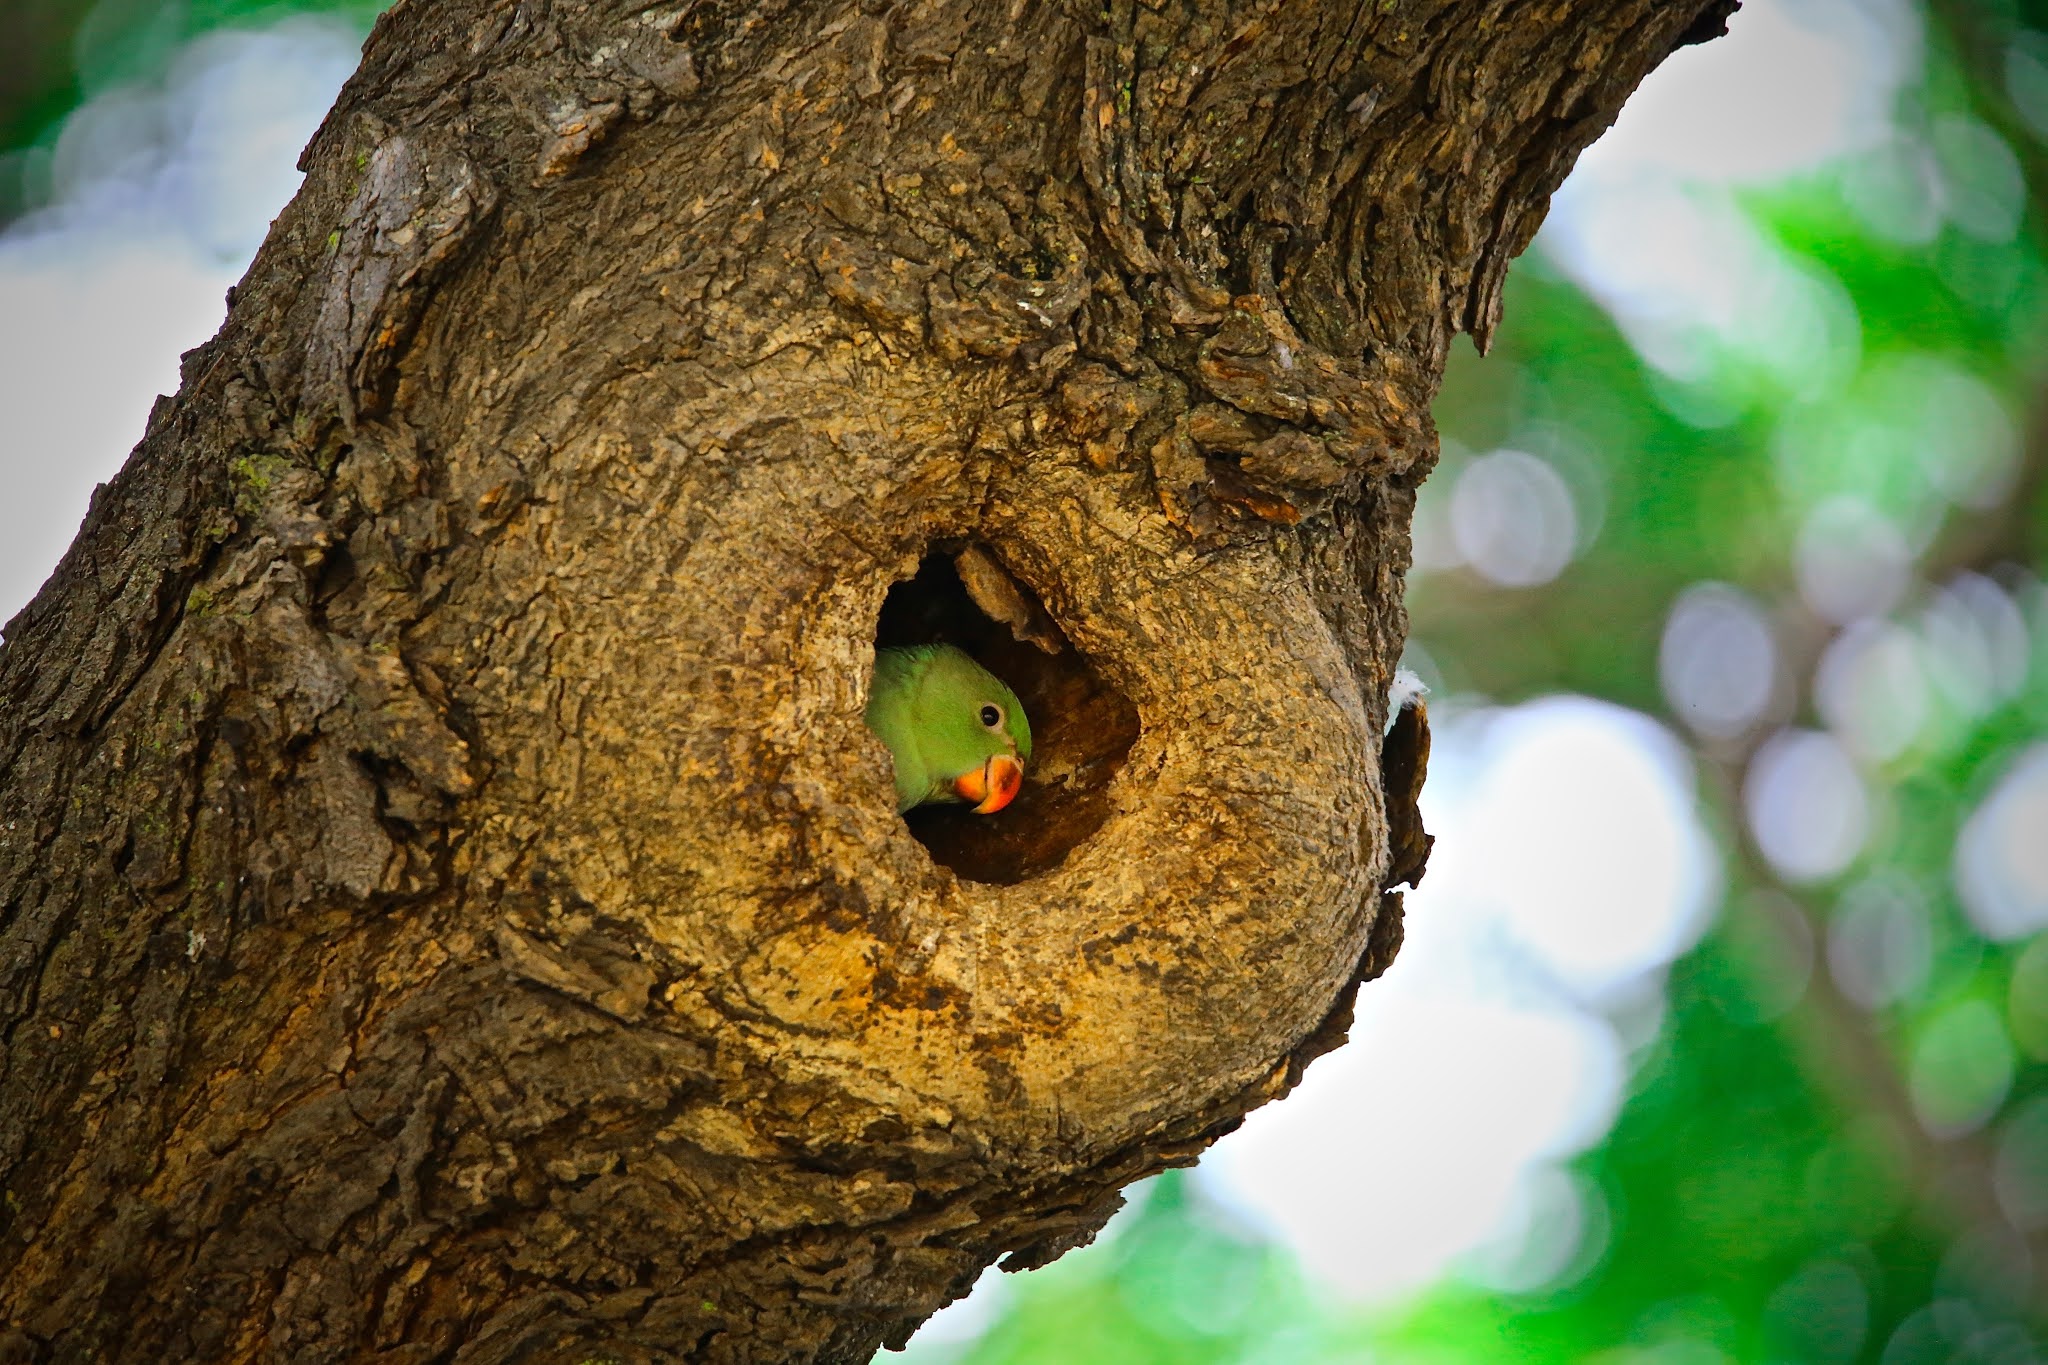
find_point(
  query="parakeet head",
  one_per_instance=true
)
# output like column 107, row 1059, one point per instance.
column 976, row 736
column 956, row 731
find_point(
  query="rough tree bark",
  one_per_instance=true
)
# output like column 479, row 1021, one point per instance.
column 453, row 910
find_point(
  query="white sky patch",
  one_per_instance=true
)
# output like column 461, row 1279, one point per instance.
column 92, row 337
column 1648, row 224
column 1570, row 868
column 1583, row 841
column 1794, row 85
column 161, row 195
column 1410, row 1147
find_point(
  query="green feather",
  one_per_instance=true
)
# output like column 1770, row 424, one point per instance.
column 927, row 705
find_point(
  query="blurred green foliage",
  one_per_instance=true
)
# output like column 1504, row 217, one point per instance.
column 1771, row 1191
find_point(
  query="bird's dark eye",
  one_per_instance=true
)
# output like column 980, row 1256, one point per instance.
column 992, row 716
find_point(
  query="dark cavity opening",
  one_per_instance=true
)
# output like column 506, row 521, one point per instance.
column 1082, row 728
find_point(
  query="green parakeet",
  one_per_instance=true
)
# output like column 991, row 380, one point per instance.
column 956, row 732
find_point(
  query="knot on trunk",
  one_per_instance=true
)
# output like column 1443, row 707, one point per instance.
column 1296, row 424
column 412, row 208
column 976, row 309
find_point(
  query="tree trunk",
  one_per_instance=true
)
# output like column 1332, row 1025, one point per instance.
column 453, row 908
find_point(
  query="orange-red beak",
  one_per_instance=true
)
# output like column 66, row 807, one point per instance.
column 992, row 786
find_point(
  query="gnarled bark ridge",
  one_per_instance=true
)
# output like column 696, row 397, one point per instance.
column 453, row 909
